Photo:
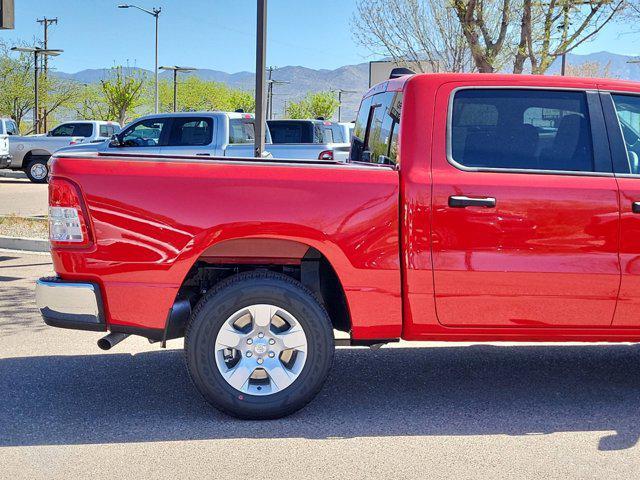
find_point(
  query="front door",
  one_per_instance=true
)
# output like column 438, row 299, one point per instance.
column 525, row 210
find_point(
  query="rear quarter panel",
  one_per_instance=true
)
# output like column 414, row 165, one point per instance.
column 152, row 219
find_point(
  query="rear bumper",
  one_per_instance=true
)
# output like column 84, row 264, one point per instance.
column 70, row 304
column 5, row 161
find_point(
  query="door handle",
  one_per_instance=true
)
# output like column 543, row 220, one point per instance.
column 458, row 201
column 635, row 207
column 203, row 154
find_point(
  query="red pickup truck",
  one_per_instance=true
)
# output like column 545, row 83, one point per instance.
column 473, row 208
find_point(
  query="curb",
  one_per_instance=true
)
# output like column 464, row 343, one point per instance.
column 12, row 174
column 25, row 244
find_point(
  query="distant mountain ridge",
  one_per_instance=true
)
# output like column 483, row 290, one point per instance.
column 349, row 77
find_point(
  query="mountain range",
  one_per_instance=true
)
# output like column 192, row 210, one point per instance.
column 301, row 80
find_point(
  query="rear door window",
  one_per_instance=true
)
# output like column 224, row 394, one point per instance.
column 521, row 129
column 108, row 130
column 72, row 130
column 377, row 129
column 241, row 130
column 191, row 131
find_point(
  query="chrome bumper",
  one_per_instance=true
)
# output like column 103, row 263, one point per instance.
column 70, row 305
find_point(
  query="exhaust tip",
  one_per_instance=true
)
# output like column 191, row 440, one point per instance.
column 111, row 340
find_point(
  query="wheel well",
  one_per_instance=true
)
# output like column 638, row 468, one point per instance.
column 311, row 268
column 32, row 156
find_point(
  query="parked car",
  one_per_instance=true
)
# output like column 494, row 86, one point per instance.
column 326, row 136
column 7, row 127
column 30, row 153
column 224, row 134
column 506, row 208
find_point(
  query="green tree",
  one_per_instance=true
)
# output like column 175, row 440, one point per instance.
column 122, row 94
column 195, row 94
column 314, row 105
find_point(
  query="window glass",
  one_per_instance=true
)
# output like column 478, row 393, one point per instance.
column 241, row 130
column 12, row 128
column 72, row 130
column 628, row 108
column 521, row 129
column 376, row 132
column 188, row 131
column 144, row 134
column 294, row 132
column 108, row 130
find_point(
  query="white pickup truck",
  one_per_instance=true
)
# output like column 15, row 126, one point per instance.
column 30, row 153
column 215, row 134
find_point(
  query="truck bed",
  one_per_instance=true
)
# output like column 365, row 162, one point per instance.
column 154, row 217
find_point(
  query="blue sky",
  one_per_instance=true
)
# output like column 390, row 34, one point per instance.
column 216, row 34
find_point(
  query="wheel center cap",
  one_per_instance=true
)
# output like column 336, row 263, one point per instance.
column 260, row 348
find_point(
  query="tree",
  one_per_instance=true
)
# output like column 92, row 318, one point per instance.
column 526, row 35
column 17, row 87
column 197, row 94
column 90, row 104
column 590, row 69
column 122, row 94
column 426, row 30
column 314, row 105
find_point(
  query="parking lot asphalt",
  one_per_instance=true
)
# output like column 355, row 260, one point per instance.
column 69, row 410
column 19, row 196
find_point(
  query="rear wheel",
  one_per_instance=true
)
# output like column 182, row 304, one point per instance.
column 259, row 346
column 37, row 169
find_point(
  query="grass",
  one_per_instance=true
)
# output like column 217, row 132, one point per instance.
column 14, row 226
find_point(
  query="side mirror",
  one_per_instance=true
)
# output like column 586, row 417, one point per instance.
column 49, row 133
column 115, row 140
column 366, row 156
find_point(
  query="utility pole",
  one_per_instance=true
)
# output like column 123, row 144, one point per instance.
column 270, row 84
column 260, row 124
column 45, row 22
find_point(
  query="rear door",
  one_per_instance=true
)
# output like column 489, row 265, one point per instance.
column 525, row 209
column 622, row 113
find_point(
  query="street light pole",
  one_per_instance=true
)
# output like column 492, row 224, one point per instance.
column 155, row 12
column 175, row 70
column 340, row 91
column 261, row 56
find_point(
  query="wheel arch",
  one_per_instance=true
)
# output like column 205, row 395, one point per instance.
column 312, row 264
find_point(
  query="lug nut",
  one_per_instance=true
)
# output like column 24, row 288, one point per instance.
column 260, row 361
column 249, row 354
column 271, row 354
column 272, row 341
column 260, row 335
column 249, row 341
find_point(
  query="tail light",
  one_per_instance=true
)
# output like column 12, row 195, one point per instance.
column 68, row 225
column 326, row 155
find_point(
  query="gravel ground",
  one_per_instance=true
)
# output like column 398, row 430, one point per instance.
column 68, row 410
column 13, row 226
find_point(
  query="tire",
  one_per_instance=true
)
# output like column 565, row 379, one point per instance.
column 292, row 301
column 37, row 169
